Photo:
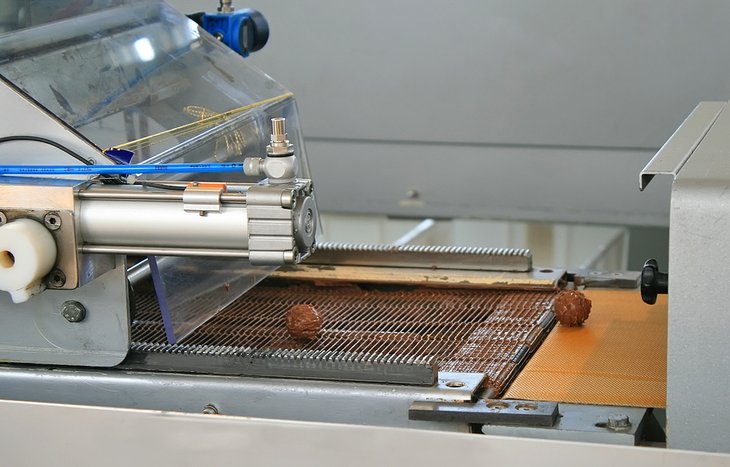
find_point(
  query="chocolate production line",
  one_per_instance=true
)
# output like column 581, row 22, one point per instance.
column 158, row 218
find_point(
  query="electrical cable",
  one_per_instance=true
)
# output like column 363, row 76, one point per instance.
column 39, row 139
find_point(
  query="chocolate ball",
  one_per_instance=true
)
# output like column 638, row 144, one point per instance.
column 303, row 322
column 572, row 308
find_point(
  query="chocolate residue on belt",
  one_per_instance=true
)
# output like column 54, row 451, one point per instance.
column 303, row 322
column 572, row 308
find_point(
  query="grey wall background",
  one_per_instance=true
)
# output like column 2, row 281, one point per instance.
column 534, row 110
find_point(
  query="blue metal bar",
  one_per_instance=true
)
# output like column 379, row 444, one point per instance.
column 118, row 169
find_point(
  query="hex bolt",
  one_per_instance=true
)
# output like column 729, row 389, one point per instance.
column 73, row 311
column 210, row 409
column 52, row 221
column 618, row 422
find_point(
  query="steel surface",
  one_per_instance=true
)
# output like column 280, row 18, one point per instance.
column 46, row 434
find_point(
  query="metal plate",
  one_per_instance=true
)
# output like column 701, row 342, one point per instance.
column 490, row 412
column 35, row 331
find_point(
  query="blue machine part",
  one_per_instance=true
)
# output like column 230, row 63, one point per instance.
column 244, row 31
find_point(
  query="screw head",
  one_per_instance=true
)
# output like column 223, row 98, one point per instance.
column 52, row 221
column 210, row 409
column 3, row 218
column 56, row 279
column 618, row 422
column 309, row 222
column 455, row 384
column 73, row 311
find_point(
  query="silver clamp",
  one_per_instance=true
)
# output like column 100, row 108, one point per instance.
column 203, row 198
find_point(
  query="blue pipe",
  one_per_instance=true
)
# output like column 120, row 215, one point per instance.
column 119, row 169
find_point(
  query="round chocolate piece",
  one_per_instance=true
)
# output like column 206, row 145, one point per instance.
column 572, row 308
column 303, row 322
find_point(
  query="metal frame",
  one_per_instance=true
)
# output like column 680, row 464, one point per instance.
column 46, row 434
column 699, row 247
column 278, row 398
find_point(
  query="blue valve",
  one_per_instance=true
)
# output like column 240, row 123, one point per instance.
column 244, row 31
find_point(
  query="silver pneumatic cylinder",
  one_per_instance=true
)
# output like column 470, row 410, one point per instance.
column 161, row 224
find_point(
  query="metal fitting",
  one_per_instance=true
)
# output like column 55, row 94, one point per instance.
column 279, row 145
column 210, row 409
column 279, row 169
column 618, row 422
column 226, row 6
column 3, row 218
column 73, row 311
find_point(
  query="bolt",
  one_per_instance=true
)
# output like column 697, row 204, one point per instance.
column 3, row 218
column 618, row 422
column 210, row 409
column 56, row 279
column 52, row 221
column 309, row 222
column 455, row 384
column 73, row 311
column 413, row 194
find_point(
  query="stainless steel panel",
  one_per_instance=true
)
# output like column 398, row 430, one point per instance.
column 36, row 332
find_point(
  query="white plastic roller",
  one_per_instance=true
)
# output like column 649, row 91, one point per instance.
column 27, row 254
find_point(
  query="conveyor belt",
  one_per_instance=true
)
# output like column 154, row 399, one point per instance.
column 619, row 357
column 471, row 331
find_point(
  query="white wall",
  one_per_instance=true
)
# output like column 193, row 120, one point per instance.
column 537, row 109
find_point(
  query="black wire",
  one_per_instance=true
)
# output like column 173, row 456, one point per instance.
column 39, row 139
column 103, row 179
column 161, row 186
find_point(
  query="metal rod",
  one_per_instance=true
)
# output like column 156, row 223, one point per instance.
column 422, row 227
column 130, row 195
column 163, row 251
column 137, row 195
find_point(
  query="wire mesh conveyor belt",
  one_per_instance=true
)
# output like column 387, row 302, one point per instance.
column 369, row 333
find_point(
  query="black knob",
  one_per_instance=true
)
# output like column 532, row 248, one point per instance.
column 254, row 32
column 653, row 282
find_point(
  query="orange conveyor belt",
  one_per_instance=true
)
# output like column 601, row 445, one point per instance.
column 618, row 357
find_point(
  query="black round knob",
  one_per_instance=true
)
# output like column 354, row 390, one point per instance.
column 653, row 282
column 254, row 31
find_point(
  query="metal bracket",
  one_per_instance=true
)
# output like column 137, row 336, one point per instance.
column 677, row 150
column 487, row 412
column 608, row 279
column 203, row 198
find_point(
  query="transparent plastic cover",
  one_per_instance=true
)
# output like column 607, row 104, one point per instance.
column 139, row 75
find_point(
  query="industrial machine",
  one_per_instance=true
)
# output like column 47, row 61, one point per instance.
column 158, row 220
